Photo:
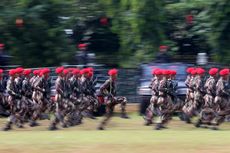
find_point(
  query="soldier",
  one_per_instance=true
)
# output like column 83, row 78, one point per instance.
column 164, row 102
column 85, row 92
column 13, row 100
column 199, row 90
column 188, row 108
column 187, row 83
column 27, row 95
column 40, row 87
column 208, row 109
column 154, row 87
column 59, row 96
column 3, row 104
column 108, row 90
column 222, row 97
column 92, row 97
column 75, row 86
column 2, row 88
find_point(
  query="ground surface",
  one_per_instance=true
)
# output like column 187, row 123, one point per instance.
column 121, row 136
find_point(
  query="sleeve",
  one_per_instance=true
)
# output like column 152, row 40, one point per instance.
column 104, row 87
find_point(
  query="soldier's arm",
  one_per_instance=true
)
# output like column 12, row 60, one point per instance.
column 103, row 88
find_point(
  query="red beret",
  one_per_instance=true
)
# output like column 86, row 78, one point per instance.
column 90, row 74
column 165, row 72
column 27, row 72
column 19, row 70
column 76, row 71
column 36, row 72
column 224, row 72
column 158, row 72
column 59, row 70
column 112, row 72
column 189, row 70
column 90, row 69
column 213, row 71
column 200, row 71
column 173, row 72
column 84, row 71
column 12, row 72
column 154, row 71
column 163, row 47
column 193, row 72
column 2, row 46
column 1, row 71
column 65, row 71
column 46, row 70
column 80, row 46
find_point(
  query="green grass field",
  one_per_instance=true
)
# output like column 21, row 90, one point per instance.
column 121, row 136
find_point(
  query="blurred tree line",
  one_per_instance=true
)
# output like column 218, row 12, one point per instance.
column 125, row 32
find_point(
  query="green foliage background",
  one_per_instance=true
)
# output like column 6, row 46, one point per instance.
column 141, row 25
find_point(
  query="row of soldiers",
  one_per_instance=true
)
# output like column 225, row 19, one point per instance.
column 206, row 97
column 27, row 96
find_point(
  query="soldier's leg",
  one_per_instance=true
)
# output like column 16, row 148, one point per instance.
column 123, row 102
column 150, row 110
column 109, row 114
column 10, row 122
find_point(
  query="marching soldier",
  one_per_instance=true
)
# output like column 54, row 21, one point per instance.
column 189, row 107
column 154, row 87
column 208, row 111
column 164, row 102
column 59, row 96
column 108, row 90
column 222, row 97
column 13, row 100
column 3, row 104
column 199, row 90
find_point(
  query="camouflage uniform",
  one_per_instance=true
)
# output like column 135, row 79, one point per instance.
column 27, row 98
column 164, row 104
column 153, row 101
column 208, row 111
column 3, row 102
column 108, row 90
column 222, row 100
column 189, row 101
column 88, row 87
column 13, row 99
column 60, row 104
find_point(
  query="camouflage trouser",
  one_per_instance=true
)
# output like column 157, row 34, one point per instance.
column 165, row 107
column 223, row 109
column 208, row 112
column 110, row 104
column 190, row 108
column 150, row 111
column 16, row 106
column 60, row 113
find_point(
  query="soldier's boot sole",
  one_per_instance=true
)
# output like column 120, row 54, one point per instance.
column 158, row 127
column 214, row 128
column 7, row 128
column 52, row 128
column 125, row 116
column 100, row 128
column 148, row 123
column 64, row 126
column 34, row 124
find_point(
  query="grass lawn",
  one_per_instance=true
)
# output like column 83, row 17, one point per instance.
column 121, row 136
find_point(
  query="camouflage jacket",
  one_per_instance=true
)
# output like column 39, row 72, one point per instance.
column 210, row 86
column 108, row 88
column 11, row 88
column 222, row 88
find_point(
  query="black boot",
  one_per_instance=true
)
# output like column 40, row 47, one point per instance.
column 158, row 126
column 124, row 115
